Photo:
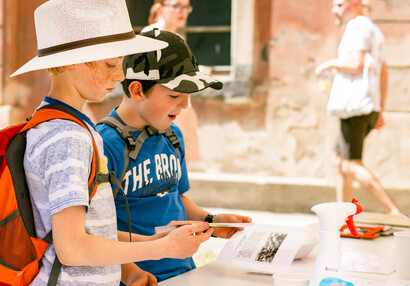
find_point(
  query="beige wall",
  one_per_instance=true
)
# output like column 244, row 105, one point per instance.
column 19, row 96
column 284, row 130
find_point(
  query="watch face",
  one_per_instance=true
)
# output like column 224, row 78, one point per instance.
column 209, row 218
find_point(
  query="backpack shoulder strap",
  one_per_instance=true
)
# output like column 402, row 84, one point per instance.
column 126, row 134
column 172, row 138
column 58, row 111
column 132, row 146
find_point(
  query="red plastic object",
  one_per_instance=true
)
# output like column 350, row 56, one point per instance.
column 349, row 220
column 367, row 232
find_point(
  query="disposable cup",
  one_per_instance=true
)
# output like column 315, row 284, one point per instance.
column 291, row 279
column 402, row 254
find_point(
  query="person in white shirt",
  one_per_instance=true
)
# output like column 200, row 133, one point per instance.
column 357, row 97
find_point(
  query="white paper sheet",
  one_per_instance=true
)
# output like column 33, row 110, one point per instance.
column 166, row 228
column 263, row 248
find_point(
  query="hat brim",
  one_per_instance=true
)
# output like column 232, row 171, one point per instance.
column 139, row 44
column 190, row 82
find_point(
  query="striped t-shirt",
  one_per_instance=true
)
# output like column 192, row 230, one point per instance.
column 57, row 165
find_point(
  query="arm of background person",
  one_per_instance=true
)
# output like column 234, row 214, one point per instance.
column 194, row 212
column 384, row 76
column 74, row 247
column 352, row 64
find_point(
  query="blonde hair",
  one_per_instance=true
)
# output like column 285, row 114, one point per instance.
column 55, row 71
column 153, row 16
column 58, row 70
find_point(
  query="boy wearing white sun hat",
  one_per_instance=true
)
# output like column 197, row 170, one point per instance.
column 82, row 43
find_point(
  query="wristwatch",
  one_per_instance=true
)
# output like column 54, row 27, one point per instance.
column 209, row 218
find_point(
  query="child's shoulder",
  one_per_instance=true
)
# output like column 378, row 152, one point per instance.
column 58, row 131
column 177, row 131
column 107, row 132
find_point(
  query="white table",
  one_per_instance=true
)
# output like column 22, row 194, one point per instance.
column 215, row 274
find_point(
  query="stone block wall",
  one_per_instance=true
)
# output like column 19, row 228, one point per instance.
column 293, row 136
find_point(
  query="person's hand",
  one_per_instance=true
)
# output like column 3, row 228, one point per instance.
column 135, row 276
column 181, row 222
column 322, row 67
column 319, row 70
column 144, row 279
column 379, row 123
column 184, row 241
column 227, row 232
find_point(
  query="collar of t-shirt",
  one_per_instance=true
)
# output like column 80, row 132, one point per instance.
column 82, row 115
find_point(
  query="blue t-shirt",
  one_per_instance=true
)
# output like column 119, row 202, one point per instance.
column 153, row 184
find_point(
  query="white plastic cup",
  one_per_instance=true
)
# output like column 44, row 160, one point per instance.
column 291, row 279
column 402, row 254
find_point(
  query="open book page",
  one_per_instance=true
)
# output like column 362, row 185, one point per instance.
column 263, row 248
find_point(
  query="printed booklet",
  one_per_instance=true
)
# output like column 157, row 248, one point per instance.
column 264, row 248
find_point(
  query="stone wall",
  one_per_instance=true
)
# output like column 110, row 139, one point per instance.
column 283, row 130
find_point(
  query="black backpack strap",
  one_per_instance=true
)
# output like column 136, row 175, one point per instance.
column 172, row 138
column 55, row 271
column 126, row 134
column 56, row 268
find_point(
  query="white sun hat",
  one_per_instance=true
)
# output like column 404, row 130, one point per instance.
column 79, row 31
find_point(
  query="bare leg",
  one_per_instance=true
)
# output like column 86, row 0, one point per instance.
column 371, row 184
column 344, row 179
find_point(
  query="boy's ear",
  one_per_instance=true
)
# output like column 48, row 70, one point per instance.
column 136, row 92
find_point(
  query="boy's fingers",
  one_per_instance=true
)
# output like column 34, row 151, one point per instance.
column 206, row 235
column 178, row 222
column 152, row 280
column 199, row 227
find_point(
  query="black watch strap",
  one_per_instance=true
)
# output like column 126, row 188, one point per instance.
column 209, row 218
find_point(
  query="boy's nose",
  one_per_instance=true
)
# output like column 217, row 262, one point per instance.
column 119, row 75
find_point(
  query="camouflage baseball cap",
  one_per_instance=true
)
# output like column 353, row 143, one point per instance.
column 174, row 67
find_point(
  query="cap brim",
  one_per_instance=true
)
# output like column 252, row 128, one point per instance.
column 190, row 82
column 139, row 44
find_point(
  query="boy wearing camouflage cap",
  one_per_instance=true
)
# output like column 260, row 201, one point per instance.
column 157, row 87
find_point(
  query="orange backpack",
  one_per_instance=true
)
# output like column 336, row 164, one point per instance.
column 20, row 249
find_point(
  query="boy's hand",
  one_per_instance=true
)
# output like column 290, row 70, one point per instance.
column 132, row 275
column 144, row 279
column 181, row 222
column 227, row 232
column 185, row 240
